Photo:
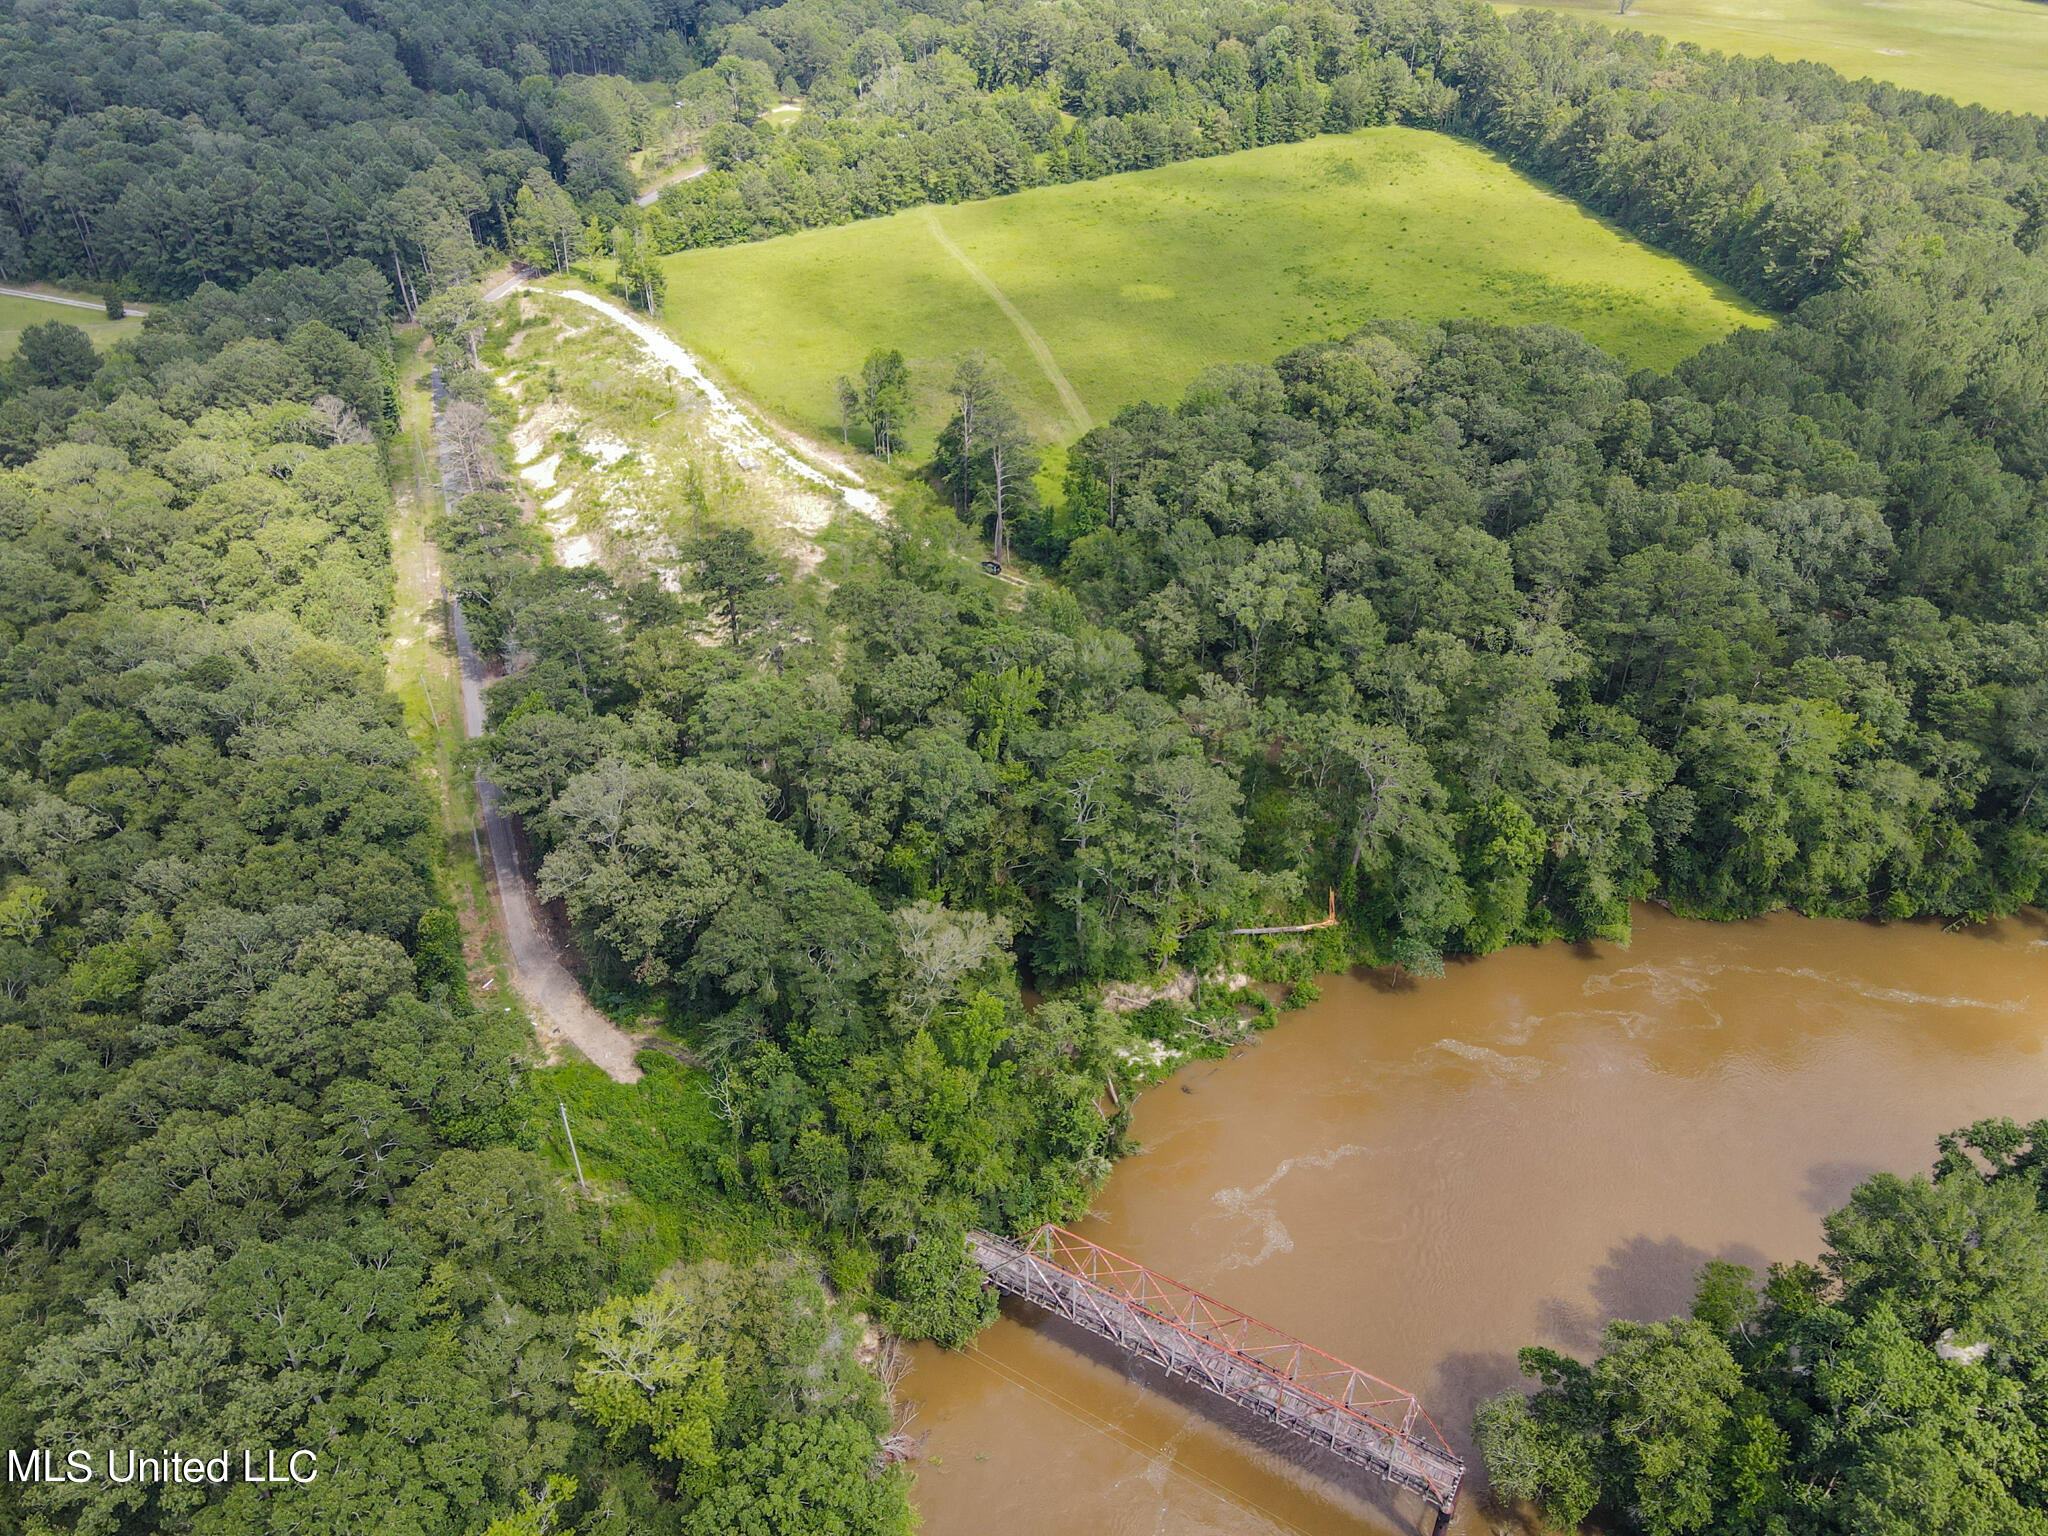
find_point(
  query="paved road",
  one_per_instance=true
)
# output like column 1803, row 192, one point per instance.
column 499, row 289
column 51, row 298
column 648, row 198
column 537, row 972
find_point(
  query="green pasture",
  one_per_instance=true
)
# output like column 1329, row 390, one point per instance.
column 1135, row 283
column 1989, row 51
column 16, row 314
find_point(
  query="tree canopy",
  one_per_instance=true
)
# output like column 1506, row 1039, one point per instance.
column 266, row 1176
column 1467, row 626
column 1887, row 1389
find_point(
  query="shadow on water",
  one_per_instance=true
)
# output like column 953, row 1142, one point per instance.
column 1320, row 1473
column 1644, row 1280
column 1394, row 981
column 1463, row 1382
column 2033, row 919
column 1389, row 979
column 1647, row 1280
column 1568, row 1325
column 1828, row 1184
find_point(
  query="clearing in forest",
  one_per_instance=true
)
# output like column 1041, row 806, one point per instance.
column 622, row 457
column 1100, row 293
column 17, row 313
column 1990, row 51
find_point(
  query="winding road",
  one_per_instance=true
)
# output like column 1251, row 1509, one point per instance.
column 56, row 298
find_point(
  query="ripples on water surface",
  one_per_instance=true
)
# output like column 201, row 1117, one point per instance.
column 1423, row 1177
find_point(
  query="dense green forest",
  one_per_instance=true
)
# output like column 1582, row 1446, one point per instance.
column 153, row 150
column 286, row 335
column 1485, row 633
column 1466, row 624
column 1891, row 1389
column 264, row 1172
column 160, row 149
column 826, row 909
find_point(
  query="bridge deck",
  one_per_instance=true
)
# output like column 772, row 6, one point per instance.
column 1334, row 1405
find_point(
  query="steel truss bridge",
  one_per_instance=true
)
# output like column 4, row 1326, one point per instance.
column 1328, row 1403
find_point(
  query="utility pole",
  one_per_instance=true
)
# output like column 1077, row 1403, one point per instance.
column 572, row 1144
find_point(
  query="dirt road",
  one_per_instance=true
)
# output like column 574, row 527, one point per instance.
column 554, row 995
column 733, row 429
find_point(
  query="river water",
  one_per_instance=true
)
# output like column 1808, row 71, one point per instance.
column 1420, row 1177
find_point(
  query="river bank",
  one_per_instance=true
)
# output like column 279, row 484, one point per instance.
column 1422, row 1176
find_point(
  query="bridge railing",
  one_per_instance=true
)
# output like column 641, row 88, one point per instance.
column 1328, row 1400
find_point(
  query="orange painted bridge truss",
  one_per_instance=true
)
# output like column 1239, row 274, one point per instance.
column 1336, row 1406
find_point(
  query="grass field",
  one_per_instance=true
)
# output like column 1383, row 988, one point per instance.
column 1989, row 51
column 16, row 313
column 1101, row 293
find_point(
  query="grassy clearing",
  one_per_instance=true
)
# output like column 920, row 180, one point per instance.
column 650, row 1142
column 17, row 313
column 1989, row 51
column 1138, row 282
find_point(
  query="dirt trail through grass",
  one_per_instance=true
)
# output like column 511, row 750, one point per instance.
column 1040, row 352
column 1134, row 284
column 731, row 427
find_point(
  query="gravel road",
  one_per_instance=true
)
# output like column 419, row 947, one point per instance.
column 537, row 971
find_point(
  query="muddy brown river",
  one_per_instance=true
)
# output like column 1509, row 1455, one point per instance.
column 1421, row 1177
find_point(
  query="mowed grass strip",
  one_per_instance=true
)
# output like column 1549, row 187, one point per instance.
column 16, row 314
column 1138, row 282
column 1994, row 52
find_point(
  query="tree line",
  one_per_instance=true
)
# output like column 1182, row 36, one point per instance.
column 395, row 131
column 905, row 106
column 1467, row 624
column 917, row 109
column 269, row 1172
column 1886, row 1390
